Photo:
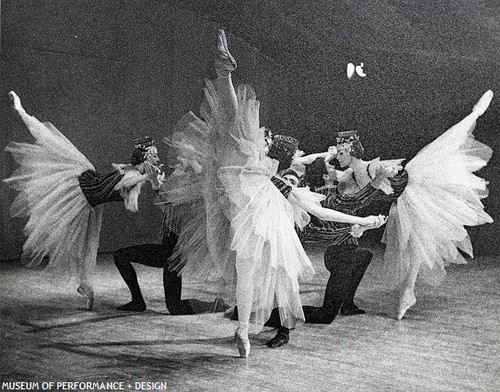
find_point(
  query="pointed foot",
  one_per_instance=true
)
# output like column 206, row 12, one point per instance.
column 406, row 303
column 88, row 292
column 483, row 103
column 16, row 101
column 242, row 342
column 225, row 63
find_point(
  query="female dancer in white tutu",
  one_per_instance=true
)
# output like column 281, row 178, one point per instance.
column 426, row 222
column 258, row 252
column 61, row 193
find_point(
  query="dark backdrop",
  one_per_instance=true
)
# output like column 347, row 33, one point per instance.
column 107, row 72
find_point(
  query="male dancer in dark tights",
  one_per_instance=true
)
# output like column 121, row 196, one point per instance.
column 157, row 255
column 344, row 258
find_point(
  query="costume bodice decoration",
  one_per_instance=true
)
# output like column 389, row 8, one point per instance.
column 100, row 188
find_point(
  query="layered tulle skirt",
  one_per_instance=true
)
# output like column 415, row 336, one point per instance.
column 427, row 226
column 270, row 259
column 62, row 229
column 242, row 242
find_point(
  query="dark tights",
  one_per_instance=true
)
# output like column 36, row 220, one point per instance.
column 347, row 265
column 152, row 255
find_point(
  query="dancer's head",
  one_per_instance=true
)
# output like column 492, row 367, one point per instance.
column 315, row 173
column 283, row 149
column 348, row 147
column 291, row 177
column 144, row 151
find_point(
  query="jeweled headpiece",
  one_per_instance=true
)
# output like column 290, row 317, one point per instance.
column 283, row 149
column 144, row 149
column 348, row 142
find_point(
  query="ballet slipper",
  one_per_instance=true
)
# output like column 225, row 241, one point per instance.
column 87, row 291
column 16, row 101
column 351, row 310
column 225, row 63
column 242, row 342
column 406, row 302
column 483, row 103
column 282, row 337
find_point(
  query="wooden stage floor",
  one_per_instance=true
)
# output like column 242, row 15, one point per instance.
column 450, row 341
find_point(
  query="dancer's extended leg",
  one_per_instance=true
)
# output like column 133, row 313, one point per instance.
column 224, row 65
column 229, row 153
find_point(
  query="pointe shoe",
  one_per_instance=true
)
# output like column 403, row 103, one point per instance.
column 225, row 63
column 242, row 342
column 16, row 101
column 88, row 292
column 483, row 103
column 406, row 303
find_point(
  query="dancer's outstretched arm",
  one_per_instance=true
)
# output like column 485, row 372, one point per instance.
column 308, row 159
column 328, row 214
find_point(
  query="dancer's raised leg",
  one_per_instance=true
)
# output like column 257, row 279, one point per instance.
column 224, row 65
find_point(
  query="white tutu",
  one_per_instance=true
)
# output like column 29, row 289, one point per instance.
column 195, row 196
column 60, row 192
column 268, row 251
column 426, row 224
column 62, row 225
column 248, row 223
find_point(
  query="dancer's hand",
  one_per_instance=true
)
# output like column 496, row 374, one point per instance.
column 373, row 222
column 358, row 230
column 388, row 171
column 382, row 174
column 331, row 172
column 154, row 175
column 331, row 154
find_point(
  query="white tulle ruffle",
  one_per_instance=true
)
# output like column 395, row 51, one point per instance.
column 246, row 229
column 427, row 224
column 61, row 225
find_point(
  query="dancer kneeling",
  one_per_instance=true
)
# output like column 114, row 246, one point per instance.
column 433, row 199
column 263, row 259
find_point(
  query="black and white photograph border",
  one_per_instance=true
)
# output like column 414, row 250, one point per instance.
column 398, row 74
